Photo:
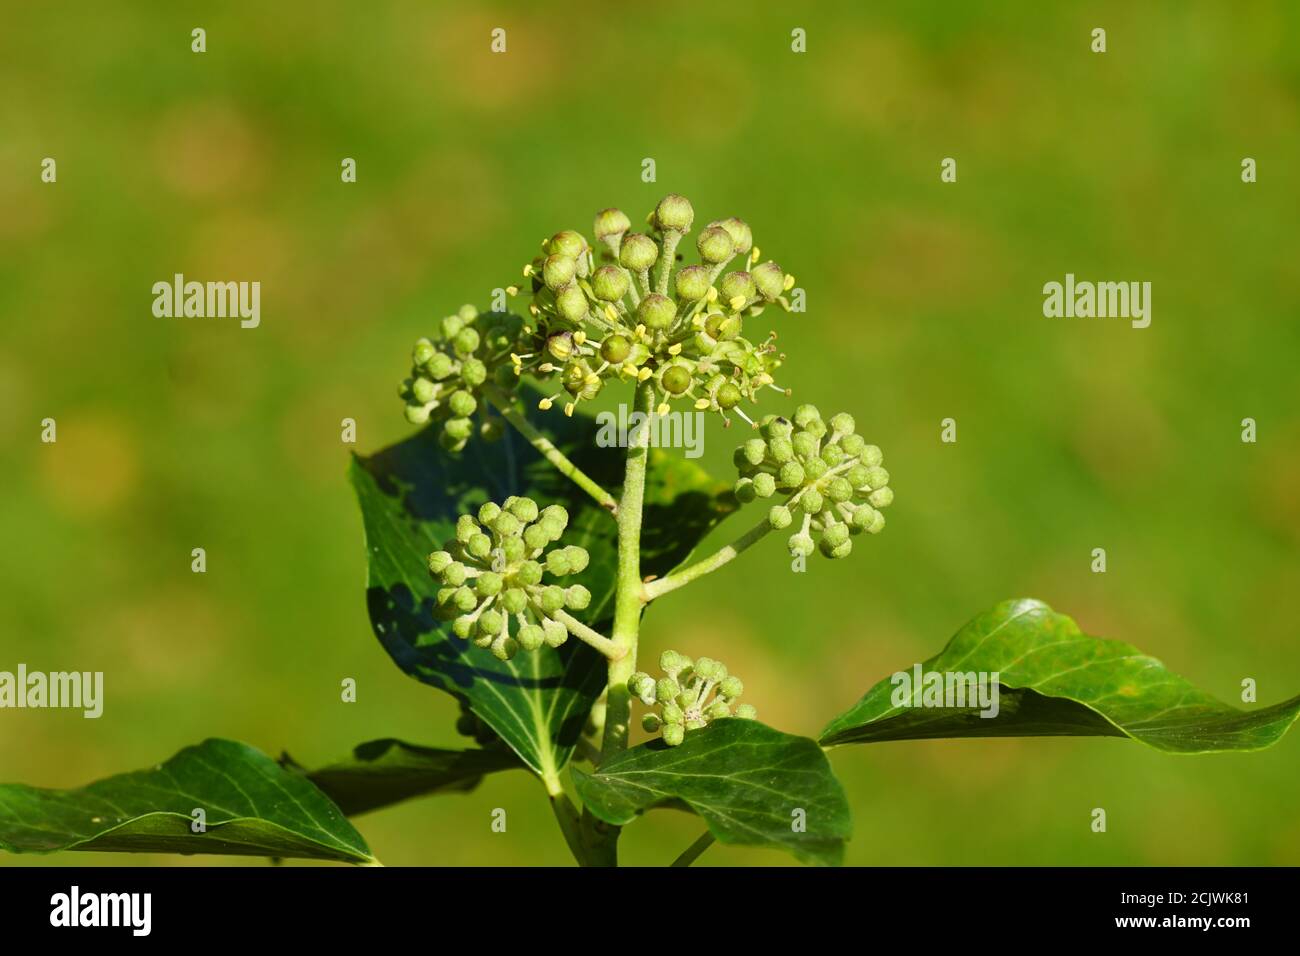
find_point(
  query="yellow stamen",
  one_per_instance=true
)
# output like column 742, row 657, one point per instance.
column 701, row 404
column 663, row 409
column 713, row 293
column 754, row 254
column 789, row 283
column 568, row 410
column 545, row 404
column 644, row 374
column 675, row 348
column 737, row 303
column 512, row 290
column 579, row 337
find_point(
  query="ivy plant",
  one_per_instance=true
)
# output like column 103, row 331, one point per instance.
column 514, row 551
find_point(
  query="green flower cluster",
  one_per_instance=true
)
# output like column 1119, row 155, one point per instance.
column 625, row 313
column 828, row 472
column 689, row 696
column 491, row 576
column 449, row 374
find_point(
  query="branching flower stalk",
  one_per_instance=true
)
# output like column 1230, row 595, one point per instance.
column 622, row 311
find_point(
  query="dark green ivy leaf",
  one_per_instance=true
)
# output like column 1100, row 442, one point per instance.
column 251, row 806
column 411, row 495
column 1056, row 681
column 752, row 786
column 383, row 772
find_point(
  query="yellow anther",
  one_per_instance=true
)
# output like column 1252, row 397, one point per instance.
column 611, row 313
column 528, row 270
column 579, row 337
column 512, row 290
column 663, row 409
column 754, row 254
column 713, row 293
column 675, row 348
column 701, row 404
column 789, row 283
column 545, row 404
column 568, row 410
column 592, row 379
column 737, row 302
column 644, row 374
column 639, row 331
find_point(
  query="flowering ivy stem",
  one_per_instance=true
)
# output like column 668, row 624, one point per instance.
column 552, row 454
column 692, row 852
column 702, row 567
column 589, row 636
column 628, row 599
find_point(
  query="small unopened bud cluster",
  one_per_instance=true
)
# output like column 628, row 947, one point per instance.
column 833, row 482
column 691, row 695
column 492, row 577
column 620, row 311
column 450, row 372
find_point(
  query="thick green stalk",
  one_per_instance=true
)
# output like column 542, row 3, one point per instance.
column 627, row 598
column 704, row 566
column 505, row 406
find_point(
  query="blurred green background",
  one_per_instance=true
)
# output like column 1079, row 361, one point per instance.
column 924, row 303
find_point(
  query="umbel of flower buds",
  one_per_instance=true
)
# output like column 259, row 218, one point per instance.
column 492, row 575
column 449, row 373
column 831, row 483
column 690, row 695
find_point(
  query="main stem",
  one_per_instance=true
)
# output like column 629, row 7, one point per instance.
column 628, row 598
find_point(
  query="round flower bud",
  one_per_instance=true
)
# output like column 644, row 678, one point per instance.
column 857, row 476
column 764, row 485
column 473, row 372
column 774, row 426
column 718, row 710
column 514, row 600
column 464, row 599
column 706, row 668
column 746, row 712
column 641, row 684
column 552, row 525
column 839, row 489
column 666, row 689
column 454, row 574
column 615, row 348
column 853, row 445
column 674, row 214
column 791, row 475
column 812, row 501
column 488, row 583
column 877, row 478
column 843, row 423
column 872, row 456
column 715, row 245
column 781, row 448
column 651, row 723
column 577, row 597
column 423, row 351
column 479, row 546
column 813, row 469
column 609, row 283
column 462, row 403
column 696, row 724
column 423, row 390
column 656, row 311
column 670, row 662
column 567, row 243
column 504, row 647
column 835, row 535
column 557, row 562
column 693, row 283
column 571, row 303
column 529, row 573
column 779, row 517
column 877, row 523
column 741, row 235
column 882, row 497
column 490, row 622
column 672, row 712
column 463, row 626
column 832, row 455
column 769, row 280
column 558, row 272
column 465, row 342
column 438, row 561
column 804, row 444
column 525, row 509
column 731, row 688
column 611, row 224
column 676, row 379
column 505, row 524
column 531, row 637
column 754, row 451
column 728, row 396
column 805, row 415
column 450, row 325
column 440, row 366
column 556, row 633
column 737, row 285
column 466, row 528
column 801, row 544
column 552, row 598
column 673, row 734
column 513, row 548
column 467, row 312
column 535, row 537
column 840, row 550
column 639, row 252
column 578, row 558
